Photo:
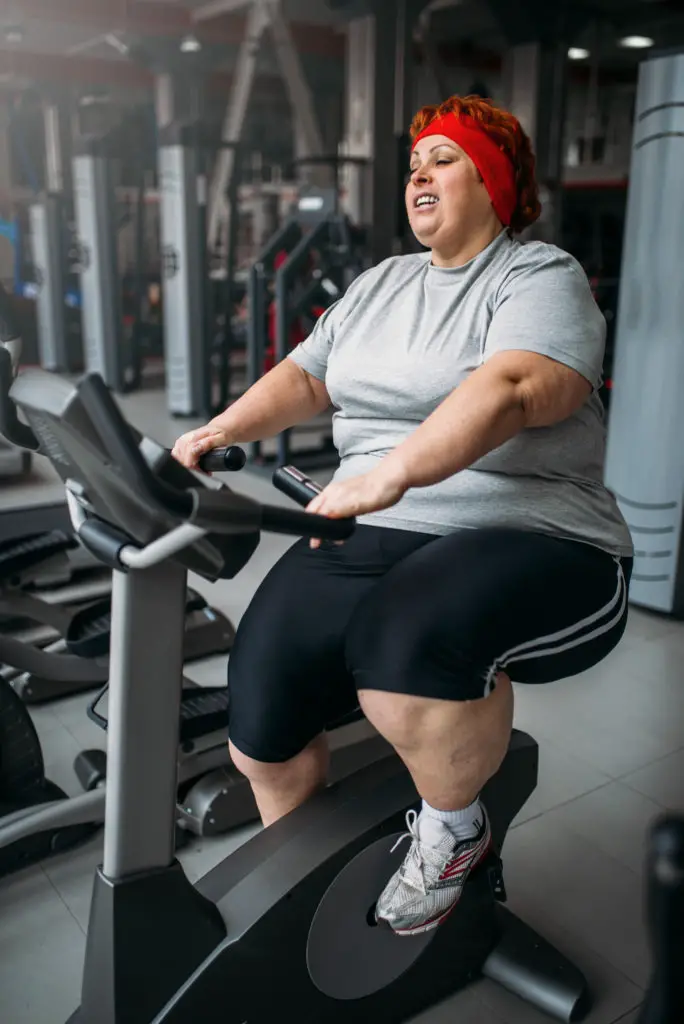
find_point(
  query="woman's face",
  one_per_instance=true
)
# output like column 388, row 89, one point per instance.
column 446, row 199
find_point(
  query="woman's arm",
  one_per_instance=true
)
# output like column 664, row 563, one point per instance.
column 512, row 391
column 285, row 396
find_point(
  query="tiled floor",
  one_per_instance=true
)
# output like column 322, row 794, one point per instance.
column 612, row 757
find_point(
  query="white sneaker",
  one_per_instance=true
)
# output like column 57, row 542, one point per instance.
column 429, row 883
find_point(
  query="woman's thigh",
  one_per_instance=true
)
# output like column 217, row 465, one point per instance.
column 286, row 673
column 444, row 621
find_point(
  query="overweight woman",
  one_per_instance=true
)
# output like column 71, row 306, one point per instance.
column 470, row 433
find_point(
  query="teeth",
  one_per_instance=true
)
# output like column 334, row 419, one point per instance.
column 427, row 201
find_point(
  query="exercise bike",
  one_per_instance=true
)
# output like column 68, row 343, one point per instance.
column 211, row 797
column 295, row 904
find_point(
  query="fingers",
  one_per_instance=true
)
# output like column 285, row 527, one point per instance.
column 189, row 448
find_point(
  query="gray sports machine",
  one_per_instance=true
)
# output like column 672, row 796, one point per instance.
column 645, row 457
column 103, row 336
column 188, row 294
column 286, row 924
column 57, row 351
column 13, row 461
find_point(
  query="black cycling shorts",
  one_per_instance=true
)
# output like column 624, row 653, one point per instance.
column 417, row 614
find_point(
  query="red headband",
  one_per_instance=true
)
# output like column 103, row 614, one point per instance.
column 493, row 164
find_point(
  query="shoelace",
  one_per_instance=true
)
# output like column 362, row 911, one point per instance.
column 420, row 856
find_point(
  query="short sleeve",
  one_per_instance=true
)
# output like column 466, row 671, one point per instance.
column 312, row 353
column 547, row 307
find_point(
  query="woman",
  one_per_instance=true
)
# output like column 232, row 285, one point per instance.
column 471, row 440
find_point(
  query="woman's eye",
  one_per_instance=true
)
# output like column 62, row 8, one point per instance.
column 443, row 161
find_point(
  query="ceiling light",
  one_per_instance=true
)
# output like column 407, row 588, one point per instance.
column 636, row 42
column 13, row 34
column 118, row 44
column 190, row 44
column 578, row 53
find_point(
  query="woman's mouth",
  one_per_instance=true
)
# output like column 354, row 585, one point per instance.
column 425, row 201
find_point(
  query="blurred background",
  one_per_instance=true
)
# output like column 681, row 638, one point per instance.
column 279, row 110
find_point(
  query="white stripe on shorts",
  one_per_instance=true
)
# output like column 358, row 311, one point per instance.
column 573, row 635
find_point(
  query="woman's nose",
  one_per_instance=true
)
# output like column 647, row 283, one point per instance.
column 420, row 176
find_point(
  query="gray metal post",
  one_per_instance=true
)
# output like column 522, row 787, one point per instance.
column 182, row 189
column 99, row 265
column 145, row 678
column 49, row 255
column 372, row 56
column 49, row 250
column 536, row 75
column 645, row 456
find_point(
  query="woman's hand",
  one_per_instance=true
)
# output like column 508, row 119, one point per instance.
column 371, row 492
column 190, row 447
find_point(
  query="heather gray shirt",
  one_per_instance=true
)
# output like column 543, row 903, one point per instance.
column 406, row 333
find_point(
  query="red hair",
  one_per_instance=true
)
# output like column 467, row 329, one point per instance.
column 505, row 130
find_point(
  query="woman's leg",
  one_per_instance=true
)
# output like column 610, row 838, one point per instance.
column 432, row 649
column 279, row 788
column 287, row 674
column 451, row 748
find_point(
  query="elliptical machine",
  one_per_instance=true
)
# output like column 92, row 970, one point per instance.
column 295, row 904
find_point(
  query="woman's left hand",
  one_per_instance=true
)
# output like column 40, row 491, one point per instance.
column 371, row 492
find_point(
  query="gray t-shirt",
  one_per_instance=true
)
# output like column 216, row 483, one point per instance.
column 406, row 333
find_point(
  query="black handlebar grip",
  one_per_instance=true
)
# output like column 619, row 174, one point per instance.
column 9, row 326
column 223, row 460
column 303, row 524
column 664, row 1002
column 296, row 485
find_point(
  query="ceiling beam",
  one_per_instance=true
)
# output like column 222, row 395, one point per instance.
column 218, row 7
column 145, row 18
column 51, row 71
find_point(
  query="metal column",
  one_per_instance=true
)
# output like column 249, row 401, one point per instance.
column 99, row 265
column 645, row 457
column 536, row 75
column 370, row 126
column 49, row 251
column 182, row 191
column 234, row 118
column 145, row 676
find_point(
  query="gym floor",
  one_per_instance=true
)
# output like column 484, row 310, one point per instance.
column 612, row 757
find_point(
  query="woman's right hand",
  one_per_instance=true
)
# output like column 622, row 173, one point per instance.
column 190, row 447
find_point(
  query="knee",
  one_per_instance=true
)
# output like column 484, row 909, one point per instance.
column 263, row 772
column 399, row 717
column 309, row 763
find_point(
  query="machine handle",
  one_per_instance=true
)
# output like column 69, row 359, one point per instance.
column 222, row 511
column 9, row 327
column 296, row 485
column 223, row 460
column 664, row 1002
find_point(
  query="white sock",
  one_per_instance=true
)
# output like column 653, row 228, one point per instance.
column 462, row 824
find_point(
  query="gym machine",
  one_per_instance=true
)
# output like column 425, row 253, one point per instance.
column 189, row 298
column 211, row 796
column 105, row 351
column 13, row 461
column 39, row 550
column 645, row 458
column 24, row 789
column 664, row 1003
column 307, row 265
column 48, row 216
column 296, row 903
